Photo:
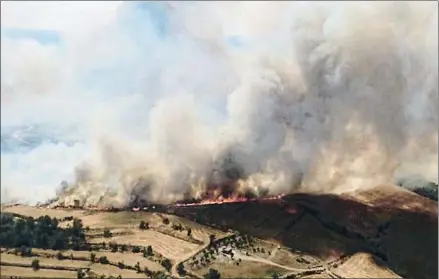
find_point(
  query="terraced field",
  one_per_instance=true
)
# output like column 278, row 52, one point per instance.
column 303, row 236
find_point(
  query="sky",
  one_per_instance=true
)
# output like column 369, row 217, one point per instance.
column 78, row 78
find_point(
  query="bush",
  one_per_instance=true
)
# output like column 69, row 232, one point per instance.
column 60, row 256
column 137, row 267
column 25, row 251
column 180, row 269
column 103, row 260
column 35, row 264
column 148, row 251
column 147, row 271
column 136, row 249
column 166, row 221
column 143, row 225
column 123, row 248
column 166, row 263
column 211, row 238
column 107, row 233
column 113, row 247
column 212, row 274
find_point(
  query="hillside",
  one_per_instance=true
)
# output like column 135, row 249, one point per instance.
column 386, row 232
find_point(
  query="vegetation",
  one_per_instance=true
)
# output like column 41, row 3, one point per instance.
column 135, row 249
column 148, row 251
column 144, row 225
column 35, row 264
column 107, row 233
column 166, row 221
column 103, row 260
column 166, row 263
column 212, row 274
column 42, row 232
column 180, row 269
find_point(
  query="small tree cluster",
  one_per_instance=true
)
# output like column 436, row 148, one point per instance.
column 143, row 225
column 166, row 263
column 107, row 233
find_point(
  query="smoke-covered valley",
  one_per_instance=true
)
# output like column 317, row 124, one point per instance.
column 171, row 100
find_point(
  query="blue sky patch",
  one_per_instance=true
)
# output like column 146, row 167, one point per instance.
column 44, row 37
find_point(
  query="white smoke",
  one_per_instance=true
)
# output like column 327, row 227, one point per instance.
column 318, row 97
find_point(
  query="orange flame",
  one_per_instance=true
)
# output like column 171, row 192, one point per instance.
column 222, row 200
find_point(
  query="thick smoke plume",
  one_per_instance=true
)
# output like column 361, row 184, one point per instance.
column 314, row 97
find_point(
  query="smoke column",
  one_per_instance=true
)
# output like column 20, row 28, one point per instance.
column 157, row 98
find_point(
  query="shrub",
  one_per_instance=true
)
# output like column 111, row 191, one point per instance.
column 166, row 221
column 147, row 271
column 212, row 274
column 180, row 269
column 103, row 260
column 143, row 225
column 123, row 248
column 107, row 233
column 137, row 267
column 35, row 264
column 148, row 251
column 166, row 263
column 136, row 249
column 60, row 256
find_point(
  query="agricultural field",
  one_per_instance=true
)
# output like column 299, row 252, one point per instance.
column 293, row 240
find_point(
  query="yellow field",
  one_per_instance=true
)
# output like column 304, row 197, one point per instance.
column 115, row 271
column 38, row 211
column 9, row 258
column 167, row 246
column 363, row 265
column 244, row 270
column 119, row 219
column 8, row 271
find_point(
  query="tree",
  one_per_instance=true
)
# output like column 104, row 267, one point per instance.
column 25, row 251
column 166, row 221
column 123, row 248
column 137, row 267
column 121, row 265
column 189, row 232
column 143, row 225
column 135, row 249
column 212, row 274
column 166, row 263
column 275, row 276
column 147, row 271
column 148, row 251
column 107, row 233
column 80, row 274
column 211, row 238
column 59, row 256
column 35, row 264
column 180, row 269
column 92, row 257
column 103, row 260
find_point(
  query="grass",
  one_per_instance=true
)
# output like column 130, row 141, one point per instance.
column 38, row 211
column 362, row 265
column 169, row 247
column 8, row 271
column 244, row 270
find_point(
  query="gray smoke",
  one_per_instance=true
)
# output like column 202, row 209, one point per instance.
column 319, row 97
